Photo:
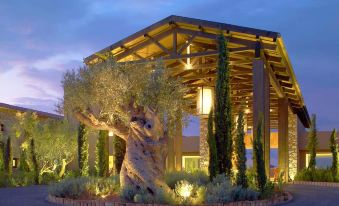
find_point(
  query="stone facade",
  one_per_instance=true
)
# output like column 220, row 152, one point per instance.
column 204, row 150
column 292, row 144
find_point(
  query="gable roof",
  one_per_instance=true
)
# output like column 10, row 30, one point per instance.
column 168, row 39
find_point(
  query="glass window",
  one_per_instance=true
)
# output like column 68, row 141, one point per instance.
column 190, row 163
column 323, row 160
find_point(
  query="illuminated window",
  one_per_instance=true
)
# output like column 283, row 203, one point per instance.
column 323, row 160
column 190, row 163
column 15, row 162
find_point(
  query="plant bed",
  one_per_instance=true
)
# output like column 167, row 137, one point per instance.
column 185, row 189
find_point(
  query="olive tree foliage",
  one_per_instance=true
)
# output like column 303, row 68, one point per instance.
column 139, row 103
column 54, row 143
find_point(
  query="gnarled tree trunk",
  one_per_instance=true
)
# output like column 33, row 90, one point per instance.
column 146, row 148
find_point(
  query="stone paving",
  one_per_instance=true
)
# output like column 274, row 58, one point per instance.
column 307, row 195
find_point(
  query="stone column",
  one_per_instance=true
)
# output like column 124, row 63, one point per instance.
column 204, row 149
column 261, row 107
column 292, row 144
column 283, row 137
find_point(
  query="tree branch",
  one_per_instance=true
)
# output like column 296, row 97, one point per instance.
column 90, row 120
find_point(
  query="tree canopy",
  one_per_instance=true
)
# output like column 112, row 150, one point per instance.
column 105, row 90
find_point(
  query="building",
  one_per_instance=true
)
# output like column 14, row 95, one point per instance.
column 7, row 119
column 262, row 79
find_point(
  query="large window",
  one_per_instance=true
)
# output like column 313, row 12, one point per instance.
column 190, row 163
column 323, row 160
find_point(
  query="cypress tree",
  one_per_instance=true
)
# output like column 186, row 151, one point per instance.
column 23, row 165
column 240, row 152
column 334, row 151
column 213, row 160
column 9, row 157
column 258, row 158
column 312, row 143
column 2, row 156
column 34, row 162
column 102, row 155
column 119, row 150
column 223, row 113
column 83, row 150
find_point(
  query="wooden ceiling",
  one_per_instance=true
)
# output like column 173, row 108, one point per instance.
column 169, row 39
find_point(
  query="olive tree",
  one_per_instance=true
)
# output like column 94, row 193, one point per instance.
column 51, row 143
column 138, row 102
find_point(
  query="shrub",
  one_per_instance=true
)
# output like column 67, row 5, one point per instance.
column 9, row 157
column 198, row 177
column 83, row 150
column 85, row 187
column 315, row 175
column 102, row 156
column 222, row 191
column 213, row 159
column 119, row 150
column 130, row 194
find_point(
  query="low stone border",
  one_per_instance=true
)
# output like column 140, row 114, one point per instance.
column 325, row 184
column 65, row 201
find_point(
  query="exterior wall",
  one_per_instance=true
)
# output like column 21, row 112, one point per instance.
column 203, row 148
column 293, row 149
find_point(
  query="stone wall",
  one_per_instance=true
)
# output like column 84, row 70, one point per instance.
column 204, row 149
column 292, row 144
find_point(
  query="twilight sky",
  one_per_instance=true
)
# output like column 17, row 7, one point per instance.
column 41, row 39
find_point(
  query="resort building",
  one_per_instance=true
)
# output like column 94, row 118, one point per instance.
column 262, row 80
column 8, row 118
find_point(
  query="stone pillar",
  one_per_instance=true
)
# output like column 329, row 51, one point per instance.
column 283, row 137
column 178, row 147
column 261, row 107
column 204, row 149
column 292, row 144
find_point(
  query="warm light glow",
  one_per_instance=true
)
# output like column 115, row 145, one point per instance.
column 184, row 189
column 188, row 60
column 205, row 100
column 110, row 133
column 247, row 111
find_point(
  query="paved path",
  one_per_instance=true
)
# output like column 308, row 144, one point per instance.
column 24, row 196
column 309, row 195
column 302, row 195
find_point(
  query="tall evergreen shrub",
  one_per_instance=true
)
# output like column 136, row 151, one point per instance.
column 119, row 150
column 258, row 158
column 240, row 153
column 102, row 155
column 213, row 159
column 34, row 162
column 223, row 113
column 334, row 151
column 2, row 155
column 83, row 150
column 23, row 165
column 312, row 143
column 9, row 157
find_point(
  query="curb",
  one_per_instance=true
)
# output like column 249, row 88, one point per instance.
column 323, row 184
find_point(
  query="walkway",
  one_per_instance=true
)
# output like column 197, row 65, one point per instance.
column 309, row 195
column 24, row 196
column 302, row 195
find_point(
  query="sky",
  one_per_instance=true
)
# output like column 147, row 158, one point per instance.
column 41, row 39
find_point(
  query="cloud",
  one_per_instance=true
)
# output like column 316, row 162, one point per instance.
column 42, row 39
